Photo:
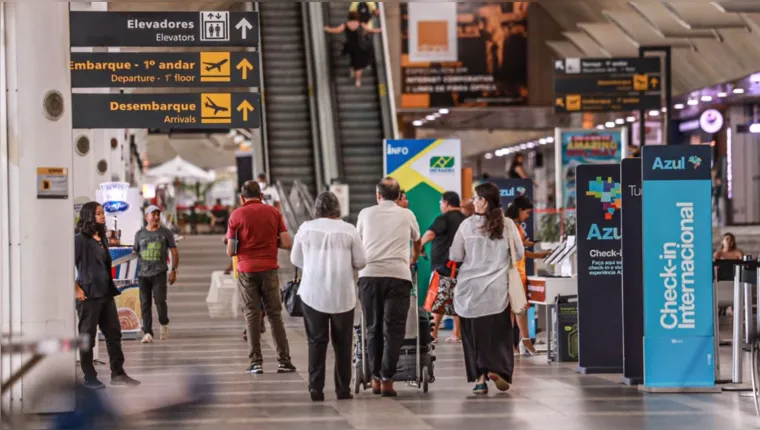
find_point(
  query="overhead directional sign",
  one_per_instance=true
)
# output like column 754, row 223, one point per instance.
column 95, row 29
column 192, row 111
column 186, row 69
column 607, row 84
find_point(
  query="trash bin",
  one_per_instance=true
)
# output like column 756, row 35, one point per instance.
column 565, row 320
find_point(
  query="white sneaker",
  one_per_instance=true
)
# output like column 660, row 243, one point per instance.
column 147, row 339
column 164, row 332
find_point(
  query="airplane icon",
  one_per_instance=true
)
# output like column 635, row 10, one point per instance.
column 211, row 105
column 217, row 66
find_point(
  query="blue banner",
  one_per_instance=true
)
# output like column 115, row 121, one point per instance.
column 577, row 147
column 678, row 289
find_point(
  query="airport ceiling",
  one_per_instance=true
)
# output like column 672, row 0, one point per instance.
column 712, row 42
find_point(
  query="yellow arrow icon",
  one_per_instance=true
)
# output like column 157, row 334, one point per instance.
column 245, row 66
column 246, row 108
column 655, row 82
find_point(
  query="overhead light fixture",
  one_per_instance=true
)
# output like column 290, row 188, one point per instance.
column 600, row 127
column 631, row 119
column 664, row 110
column 722, row 94
column 524, row 146
column 430, row 117
column 706, row 98
column 549, row 139
column 531, row 145
column 499, row 152
column 754, row 128
column 489, row 156
column 443, row 111
column 692, row 102
column 654, row 113
column 755, row 78
column 620, row 121
column 678, row 106
column 738, row 90
column 542, row 141
column 610, row 124
column 418, row 123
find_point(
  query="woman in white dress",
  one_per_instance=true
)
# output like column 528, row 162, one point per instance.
column 482, row 246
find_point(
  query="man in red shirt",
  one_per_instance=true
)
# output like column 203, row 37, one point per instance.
column 255, row 233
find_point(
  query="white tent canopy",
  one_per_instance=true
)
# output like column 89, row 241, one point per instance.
column 181, row 169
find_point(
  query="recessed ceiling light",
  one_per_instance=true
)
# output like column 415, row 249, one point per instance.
column 631, row 119
column 418, row 123
column 610, row 124
column 738, row 90
column 706, row 98
column 531, row 145
column 620, row 121
column 722, row 94
column 542, row 141
column 678, row 106
column 600, row 127
column 692, row 102
column 443, row 111
column 430, row 117
column 549, row 139
column 489, row 156
column 654, row 113
column 664, row 110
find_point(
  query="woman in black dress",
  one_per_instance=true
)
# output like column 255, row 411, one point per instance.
column 358, row 44
column 516, row 169
column 95, row 292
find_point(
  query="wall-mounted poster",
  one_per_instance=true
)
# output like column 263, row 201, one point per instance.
column 484, row 65
column 576, row 147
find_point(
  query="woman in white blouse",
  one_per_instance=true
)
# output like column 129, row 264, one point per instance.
column 480, row 298
column 329, row 251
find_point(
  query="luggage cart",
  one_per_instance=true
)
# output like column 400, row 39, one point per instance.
column 421, row 376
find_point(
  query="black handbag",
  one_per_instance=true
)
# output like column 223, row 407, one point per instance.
column 290, row 298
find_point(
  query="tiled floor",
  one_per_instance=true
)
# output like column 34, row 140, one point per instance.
column 543, row 397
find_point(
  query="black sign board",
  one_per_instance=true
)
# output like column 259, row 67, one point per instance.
column 600, row 267
column 607, row 84
column 175, row 111
column 633, row 273
column 96, row 29
column 510, row 189
column 187, row 69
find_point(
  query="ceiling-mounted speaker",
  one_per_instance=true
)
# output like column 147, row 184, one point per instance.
column 114, row 143
column 82, row 146
column 102, row 166
column 53, row 105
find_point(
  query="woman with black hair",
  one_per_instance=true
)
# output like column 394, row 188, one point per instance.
column 516, row 169
column 95, row 292
column 519, row 211
column 482, row 244
column 358, row 44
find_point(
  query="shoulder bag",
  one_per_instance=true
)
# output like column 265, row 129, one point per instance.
column 290, row 297
column 517, row 298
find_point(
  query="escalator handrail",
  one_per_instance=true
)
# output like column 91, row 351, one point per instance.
column 313, row 110
column 291, row 220
column 388, row 72
column 333, row 91
column 306, row 198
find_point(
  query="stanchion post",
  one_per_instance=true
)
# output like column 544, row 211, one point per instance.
column 736, row 375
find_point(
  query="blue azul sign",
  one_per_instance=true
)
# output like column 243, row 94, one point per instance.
column 678, row 290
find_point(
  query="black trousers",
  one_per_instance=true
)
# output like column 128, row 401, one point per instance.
column 488, row 347
column 153, row 288
column 320, row 328
column 100, row 312
column 385, row 304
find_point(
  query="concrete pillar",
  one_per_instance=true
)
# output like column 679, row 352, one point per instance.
column 37, row 292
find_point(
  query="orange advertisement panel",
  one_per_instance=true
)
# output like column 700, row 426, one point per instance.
column 491, row 67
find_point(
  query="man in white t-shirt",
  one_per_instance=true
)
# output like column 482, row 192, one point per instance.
column 385, row 284
column 269, row 194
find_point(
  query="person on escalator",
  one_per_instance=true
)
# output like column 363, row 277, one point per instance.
column 358, row 44
column 366, row 11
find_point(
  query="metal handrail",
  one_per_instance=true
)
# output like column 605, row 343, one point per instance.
column 291, row 221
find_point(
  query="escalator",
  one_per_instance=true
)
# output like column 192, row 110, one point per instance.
column 361, row 124
column 289, row 132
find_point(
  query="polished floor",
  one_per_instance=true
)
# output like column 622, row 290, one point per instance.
column 543, row 396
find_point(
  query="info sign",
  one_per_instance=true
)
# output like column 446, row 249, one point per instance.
column 679, row 350
column 210, row 28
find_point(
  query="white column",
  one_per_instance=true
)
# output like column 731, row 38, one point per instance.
column 37, row 294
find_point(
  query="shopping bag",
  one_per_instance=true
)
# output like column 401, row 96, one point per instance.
column 517, row 298
column 290, row 298
column 443, row 300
